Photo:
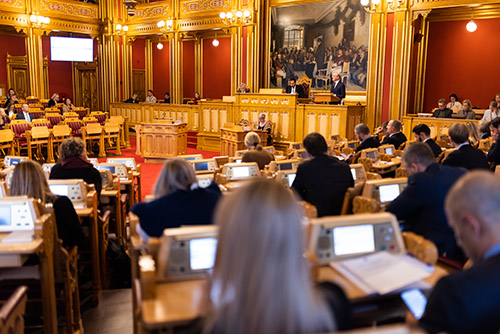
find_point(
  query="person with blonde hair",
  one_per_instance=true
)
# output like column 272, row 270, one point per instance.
column 178, row 201
column 4, row 118
column 29, row 180
column 53, row 100
column 261, row 281
column 75, row 164
column 255, row 152
column 466, row 111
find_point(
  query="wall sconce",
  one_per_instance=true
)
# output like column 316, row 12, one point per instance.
column 165, row 26
column 119, row 28
column 239, row 17
column 159, row 46
column 471, row 25
column 215, row 42
column 39, row 21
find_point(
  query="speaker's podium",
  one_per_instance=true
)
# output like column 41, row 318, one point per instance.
column 325, row 98
column 232, row 138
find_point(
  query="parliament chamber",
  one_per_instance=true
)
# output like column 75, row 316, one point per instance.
column 249, row 166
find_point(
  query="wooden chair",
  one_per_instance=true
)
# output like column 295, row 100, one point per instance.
column 36, row 113
column 6, row 142
column 94, row 133
column 54, row 118
column 401, row 172
column 81, row 111
column 18, row 108
column 99, row 115
column 306, row 83
column 19, row 128
column 421, row 248
column 308, row 210
column 112, row 131
column 12, row 312
column 39, row 136
column 373, row 176
column 70, row 114
column 90, row 120
column 349, row 196
column 367, row 163
column 123, row 123
column 361, row 204
column 53, row 110
column 41, row 122
column 44, row 103
column 32, row 99
column 76, row 126
column 59, row 133
column 324, row 75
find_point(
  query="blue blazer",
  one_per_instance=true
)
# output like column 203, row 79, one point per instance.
column 181, row 207
column 466, row 301
column 421, row 205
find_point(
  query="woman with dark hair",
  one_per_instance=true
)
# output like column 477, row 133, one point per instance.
column 196, row 98
column 454, row 104
column 29, row 180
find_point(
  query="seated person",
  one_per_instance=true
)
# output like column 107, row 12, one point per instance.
column 75, row 164
column 150, row 98
column 422, row 134
column 133, row 99
column 491, row 113
column 4, row 119
column 421, row 204
column 264, row 125
column 381, row 131
column 167, row 98
column 494, row 152
column 469, row 301
column 337, row 88
column 196, row 98
column 53, row 100
column 178, row 201
column 454, row 104
column 259, row 259
column 255, row 152
column 484, row 129
column 394, row 135
column 465, row 155
column 243, row 88
column 293, row 88
column 365, row 138
column 322, row 180
column 29, row 180
column 466, row 111
column 25, row 113
column 67, row 106
column 442, row 111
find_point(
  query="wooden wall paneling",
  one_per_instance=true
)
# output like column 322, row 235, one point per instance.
column 86, row 85
column 17, row 75
column 139, row 83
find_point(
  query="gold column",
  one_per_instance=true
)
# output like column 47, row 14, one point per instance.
column 376, row 59
column 176, row 46
column 198, row 66
column 261, row 43
column 236, row 57
column 127, row 67
column 400, row 67
column 35, row 62
column 149, row 63
column 252, row 58
column 421, row 63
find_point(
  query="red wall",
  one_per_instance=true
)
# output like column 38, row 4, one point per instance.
column 387, row 68
column 188, row 75
column 216, row 68
column 462, row 62
column 161, row 70
column 60, row 73
column 139, row 54
column 13, row 45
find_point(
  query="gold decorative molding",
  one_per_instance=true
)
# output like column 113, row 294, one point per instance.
column 464, row 13
column 434, row 4
column 417, row 13
column 194, row 7
column 145, row 12
column 15, row 4
column 70, row 9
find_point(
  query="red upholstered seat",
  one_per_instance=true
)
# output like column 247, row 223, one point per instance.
column 99, row 115
column 54, row 119
column 81, row 112
column 36, row 114
column 19, row 128
column 75, row 125
column 41, row 122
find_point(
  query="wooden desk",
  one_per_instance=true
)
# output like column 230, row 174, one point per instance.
column 43, row 247
column 176, row 303
column 329, row 274
column 161, row 139
column 233, row 139
column 325, row 98
column 114, row 196
column 385, row 166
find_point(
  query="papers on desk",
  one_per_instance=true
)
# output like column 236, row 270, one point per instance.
column 17, row 237
column 383, row 272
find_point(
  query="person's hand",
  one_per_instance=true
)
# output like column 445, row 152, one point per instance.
column 410, row 320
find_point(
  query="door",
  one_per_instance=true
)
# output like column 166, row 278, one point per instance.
column 139, row 83
column 86, row 85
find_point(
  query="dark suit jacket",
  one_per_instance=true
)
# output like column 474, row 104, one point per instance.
column 368, row 143
column 195, row 207
column 421, row 205
column 21, row 116
column 320, row 57
column 323, row 181
column 467, row 157
column 77, row 170
column 443, row 113
column 395, row 139
column 298, row 89
column 436, row 149
column 339, row 90
column 466, row 302
column 131, row 100
column 494, row 153
column 52, row 103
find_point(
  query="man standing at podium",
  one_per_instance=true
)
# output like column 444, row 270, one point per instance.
column 338, row 88
column 294, row 89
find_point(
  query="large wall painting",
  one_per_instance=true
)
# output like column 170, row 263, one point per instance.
column 318, row 39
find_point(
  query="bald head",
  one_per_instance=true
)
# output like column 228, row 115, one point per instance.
column 25, row 107
column 473, row 212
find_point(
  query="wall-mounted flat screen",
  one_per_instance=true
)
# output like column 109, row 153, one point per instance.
column 71, row 49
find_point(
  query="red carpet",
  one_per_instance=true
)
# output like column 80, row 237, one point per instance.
column 151, row 171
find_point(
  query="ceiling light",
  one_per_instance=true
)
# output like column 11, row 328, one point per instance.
column 159, row 46
column 471, row 26
column 215, row 42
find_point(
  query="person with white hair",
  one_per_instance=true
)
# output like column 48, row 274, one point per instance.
column 265, row 126
column 255, row 152
column 469, row 301
column 243, row 88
